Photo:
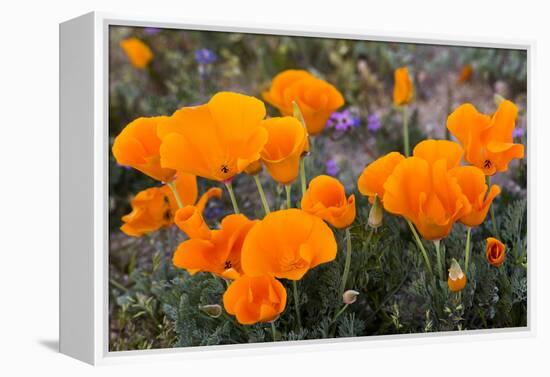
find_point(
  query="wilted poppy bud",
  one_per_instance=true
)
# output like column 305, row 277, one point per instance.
column 376, row 214
column 495, row 252
column 350, row 296
column 254, row 168
column 213, row 311
column 457, row 279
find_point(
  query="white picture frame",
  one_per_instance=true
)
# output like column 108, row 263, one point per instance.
column 84, row 192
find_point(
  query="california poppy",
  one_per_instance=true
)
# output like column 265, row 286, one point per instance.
column 457, row 279
column 316, row 98
column 286, row 141
column 472, row 182
column 219, row 252
column 326, row 198
column 139, row 54
column 403, row 87
column 217, row 140
column 255, row 299
column 495, row 252
column 487, row 141
column 189, row 218
column 286, row 244
column 154, row 207
column 138, row 146
column 372, row 179
column 465, row 73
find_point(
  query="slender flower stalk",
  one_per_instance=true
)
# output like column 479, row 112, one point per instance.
column 343, row 309
column 172, row 186
column 296, row 302
column 229, row 186
column 262, row 194
column 405, row 131
column 303, row 175
column 347, row 264
column 467, row 251
column 421, row 247
column 298, row 115
column 273, row 331
column 440, row 262
column 493, row 220
column 288, row 200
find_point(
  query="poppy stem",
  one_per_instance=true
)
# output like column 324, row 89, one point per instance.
column 229, row 186
column 467, row 252
column 420, row 246
column 347, row 264
column 273, row 331
column 288, row 200
column 492, row 209
column 296, row 303
column 405, row 131
column 303, row 175
column 340, row 312
column 440, row 262
column 172, row 186
column 262, row 193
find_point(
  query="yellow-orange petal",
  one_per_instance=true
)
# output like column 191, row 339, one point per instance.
column 139, row 54
column 372, row 179
column 403, row 87
column 433, row 150
column 189, row 219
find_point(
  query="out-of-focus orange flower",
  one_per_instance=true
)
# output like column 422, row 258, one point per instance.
column 220, row 253
column 487, row 141
column 326, row 198
column 154, row 207
column 316, row 98
column 372, row 179
column 189, row 218
column 255, row 299
column 403, row 87
column 286, row 142
column 457, row 279
column 286, row 244
column 139, row 54
column 138, row 146
column 495, row 252
column 465, row 73
column 217, row 140
column 472, row 182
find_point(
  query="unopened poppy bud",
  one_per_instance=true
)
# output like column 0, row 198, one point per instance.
column 213, row 311
column 254, row 168
column 376, row 214
column 457, row 279
column 350, row 296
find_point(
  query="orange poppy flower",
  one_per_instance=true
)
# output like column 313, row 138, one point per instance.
column 326, row 198
column 220, row 253
column 487, row 140
column 316, row 98
column 434, row 150
column 217, row 140
column 372, row 179
column 472, row 182
column 138, row 146
column 139, row 53
column 403, row 87
column 457, row 279
column 189, row 218
column 154, row 207
column 255, row 299
column 286, row 244
column 286, row 142
column 495, row 252
column 465, row 73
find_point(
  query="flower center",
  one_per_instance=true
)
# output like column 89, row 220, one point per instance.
column 487, row 164
column 227, row 265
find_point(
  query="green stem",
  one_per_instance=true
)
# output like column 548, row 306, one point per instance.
column 421, row 247
column 172, row 186
column 288, row 200
column 273, row 331
column 262, row 193
column 492, row 209
column 467, row 252
column 439, row 260
column 296, row 303
column 347, row 264
column 340, row 312
column 405, row 131
column 229, row 186
column 303, row 175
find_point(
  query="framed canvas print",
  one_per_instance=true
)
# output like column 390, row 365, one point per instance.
column 226, row 187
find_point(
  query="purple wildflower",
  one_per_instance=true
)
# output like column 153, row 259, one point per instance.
column 151, row 30
column 343, row 120
column 518, row 133
column 205, row 56
column 332, row 167
column 373, row 122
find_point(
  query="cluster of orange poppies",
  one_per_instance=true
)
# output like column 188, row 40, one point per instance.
column 230, row 135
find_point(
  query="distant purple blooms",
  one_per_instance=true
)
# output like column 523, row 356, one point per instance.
column 373, row 122
column 151, row 30
column 205, row 56
column 343, row 120
column 518, row 133
column 332, row 167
